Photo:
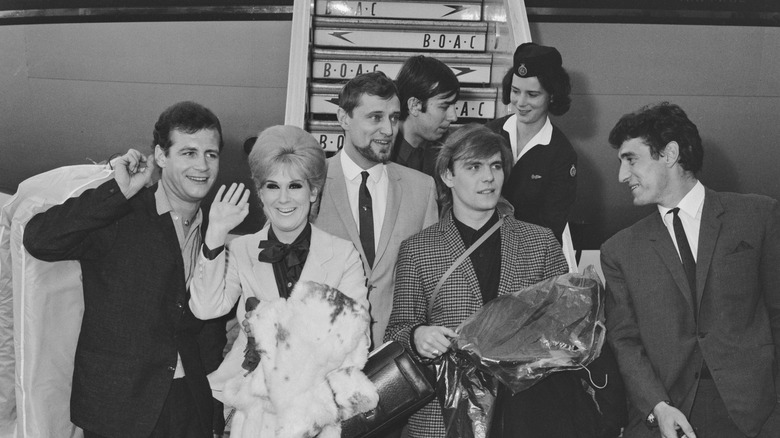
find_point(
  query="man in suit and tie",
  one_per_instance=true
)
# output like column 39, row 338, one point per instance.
column 366, row 199
column 693, row 290
column 428, row 91
column 138, row 371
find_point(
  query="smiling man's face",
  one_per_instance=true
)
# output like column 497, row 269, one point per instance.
column 646, row 177
column 190, row 166
column 371, row 129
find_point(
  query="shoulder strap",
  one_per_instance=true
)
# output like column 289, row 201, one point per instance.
column 460, row 260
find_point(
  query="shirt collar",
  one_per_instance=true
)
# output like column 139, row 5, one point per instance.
column 405, row 149
column 470, row 234
column 543, row 137
column 163, row 205
column 161, row 200
column 304, row 237
column 691, row 204
column 352, row 171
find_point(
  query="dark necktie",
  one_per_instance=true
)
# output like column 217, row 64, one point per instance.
column 689, row 263
column 366, row 216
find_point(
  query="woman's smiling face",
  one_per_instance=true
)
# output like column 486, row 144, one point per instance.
column 529, row 100
column 287, row 199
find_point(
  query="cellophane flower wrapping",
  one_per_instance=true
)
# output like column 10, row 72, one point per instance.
column 466, row 394
column 517, row 339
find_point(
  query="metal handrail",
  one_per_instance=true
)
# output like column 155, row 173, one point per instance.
column 298, row 73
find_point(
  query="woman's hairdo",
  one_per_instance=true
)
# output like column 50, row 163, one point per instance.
column 288, row 147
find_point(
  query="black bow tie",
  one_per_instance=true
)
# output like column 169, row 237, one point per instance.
column 293, row 254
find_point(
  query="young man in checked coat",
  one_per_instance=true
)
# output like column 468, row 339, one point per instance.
column 470, row 170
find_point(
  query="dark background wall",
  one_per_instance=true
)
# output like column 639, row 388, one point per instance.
column 726, row 78
column 75, row 92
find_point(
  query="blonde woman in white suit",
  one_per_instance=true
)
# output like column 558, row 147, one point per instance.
column 288, row 168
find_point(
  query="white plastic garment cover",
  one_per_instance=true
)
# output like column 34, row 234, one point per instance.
column 41, row 305
column 7, row 396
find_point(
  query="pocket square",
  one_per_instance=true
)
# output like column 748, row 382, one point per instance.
column 743, row 246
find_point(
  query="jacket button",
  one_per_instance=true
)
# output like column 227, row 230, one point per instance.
column 179, row 305
column 702, row 335
column 172, row 369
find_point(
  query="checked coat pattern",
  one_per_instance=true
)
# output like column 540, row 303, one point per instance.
column 529, row 254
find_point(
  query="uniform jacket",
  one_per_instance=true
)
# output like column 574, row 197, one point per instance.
column 543, row 184
column 411, row 206
column 136, row 316
column 660, row 343
column 215, row 287
column 529, row 254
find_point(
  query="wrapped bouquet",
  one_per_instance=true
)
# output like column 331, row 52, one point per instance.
column 518, row 339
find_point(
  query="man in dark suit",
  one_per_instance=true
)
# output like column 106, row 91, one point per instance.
column 693, row 290
column 366, row 199
column 138, row 371
column 428, row 91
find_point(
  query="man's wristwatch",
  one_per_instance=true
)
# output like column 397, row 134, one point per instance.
column 651, row 421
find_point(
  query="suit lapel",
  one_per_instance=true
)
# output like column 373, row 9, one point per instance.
column 169, row 237
column 708, row 238
column 337, row 194
column 394, row 194
column 455, row 248
column 510, row 242
column 662, row 242
column 317, row 260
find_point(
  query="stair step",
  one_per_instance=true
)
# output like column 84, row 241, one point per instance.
column 469, row 68
column 330, row 135
column 474, row 103
column 466, row 11
column 425, row 35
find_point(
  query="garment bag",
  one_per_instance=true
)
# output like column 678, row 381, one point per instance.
column 43, row 303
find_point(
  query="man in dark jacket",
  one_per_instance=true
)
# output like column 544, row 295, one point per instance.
column 693, row 290
column 138, row 371
column 428, row 91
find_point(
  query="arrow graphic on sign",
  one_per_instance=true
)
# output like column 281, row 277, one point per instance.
column 340, row 35
column 455, row 9
column 463, row 70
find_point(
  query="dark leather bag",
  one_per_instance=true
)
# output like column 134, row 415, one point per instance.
column 404, row 386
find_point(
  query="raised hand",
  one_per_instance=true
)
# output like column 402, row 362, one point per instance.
column 229, row 209
column 133, row 171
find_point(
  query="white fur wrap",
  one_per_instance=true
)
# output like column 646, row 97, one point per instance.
column 312, row 347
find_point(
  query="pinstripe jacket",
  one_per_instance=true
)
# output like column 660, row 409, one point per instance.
column 529, row 254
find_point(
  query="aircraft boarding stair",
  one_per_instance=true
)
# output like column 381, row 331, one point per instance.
column 335, row 40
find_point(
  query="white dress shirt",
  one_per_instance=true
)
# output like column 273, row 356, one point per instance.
column 690, row 214
column 542, row 137
column 377, row 184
